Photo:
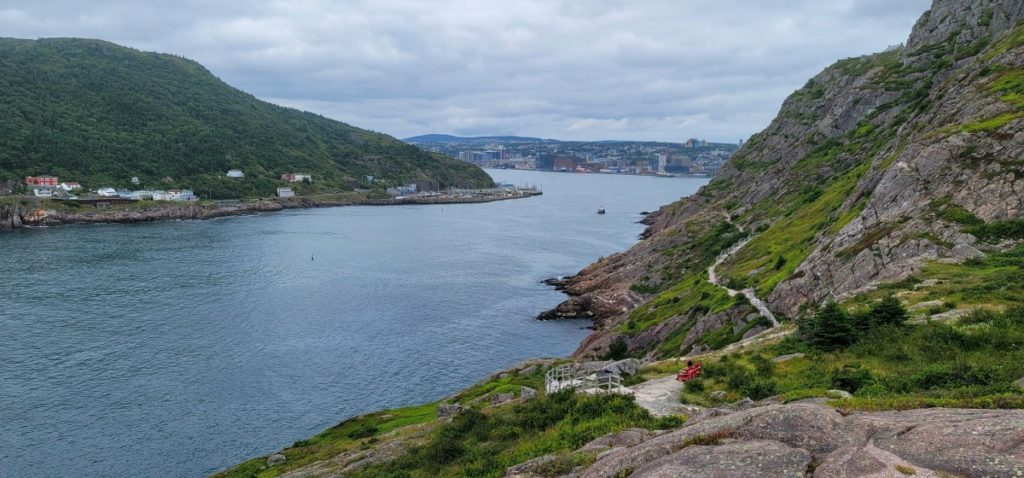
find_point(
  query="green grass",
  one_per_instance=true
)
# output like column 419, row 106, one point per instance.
column 485, row 443
column 348, row 435
column 992, row 124
column 997, row 231
column 1014, row 39
column 1010, row 85
column 972, row 365
column 994, row 282
column 792, row 237
column 513, row 383
column 692, row 292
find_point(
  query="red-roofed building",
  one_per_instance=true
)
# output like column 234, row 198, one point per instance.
column 48, row 181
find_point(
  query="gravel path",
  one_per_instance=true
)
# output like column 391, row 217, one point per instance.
column 660, row 396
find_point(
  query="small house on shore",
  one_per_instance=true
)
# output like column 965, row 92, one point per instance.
column 285, row 192
column 297, row 177
column 42, row 186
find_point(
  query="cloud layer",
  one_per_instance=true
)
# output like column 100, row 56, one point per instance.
column 582, row 69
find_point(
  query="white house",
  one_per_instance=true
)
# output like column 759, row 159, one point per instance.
column 107, row 192
column 42, row 191
column 174, row 195
column 285, row 192
column 141, row 195
column 236, row 173
column 70, row 186
column 135, row 180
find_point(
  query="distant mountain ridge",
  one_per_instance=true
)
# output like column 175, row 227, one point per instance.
column 99, row 113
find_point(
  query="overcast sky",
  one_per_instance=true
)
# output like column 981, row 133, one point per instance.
column 583, row 69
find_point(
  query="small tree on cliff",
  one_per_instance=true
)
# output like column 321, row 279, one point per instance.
column 618, row 349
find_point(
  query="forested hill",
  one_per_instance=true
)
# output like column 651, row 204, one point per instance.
column 98, row 113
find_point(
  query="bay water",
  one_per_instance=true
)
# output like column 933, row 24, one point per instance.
column 182, row 348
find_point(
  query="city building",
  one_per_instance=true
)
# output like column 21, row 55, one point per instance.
column 566, row 163
column 406, row 190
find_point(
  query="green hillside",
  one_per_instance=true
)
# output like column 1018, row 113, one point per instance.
column 100, row 114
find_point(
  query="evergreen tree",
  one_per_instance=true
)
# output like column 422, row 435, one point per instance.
column 830, row 329
column 889, row 311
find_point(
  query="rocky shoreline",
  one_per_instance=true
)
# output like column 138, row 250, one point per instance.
column 30, row 212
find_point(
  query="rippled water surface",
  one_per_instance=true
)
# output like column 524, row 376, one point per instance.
column 181, row 348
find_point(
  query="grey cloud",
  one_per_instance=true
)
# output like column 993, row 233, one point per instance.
column 656, row 69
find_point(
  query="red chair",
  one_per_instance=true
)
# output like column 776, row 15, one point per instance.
column 689, row 373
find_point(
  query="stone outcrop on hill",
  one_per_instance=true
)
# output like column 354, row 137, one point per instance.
column 861, row 179
column 808, row 439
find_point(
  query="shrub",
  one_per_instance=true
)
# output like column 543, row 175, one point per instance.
column 364, row 430
column 954, row 375
column 851, row 378
column 738, row 378
column 780, row 262
column 760, row 389
column 618, row 349
column 695, row 385
column 671, row 421
column 762, row 366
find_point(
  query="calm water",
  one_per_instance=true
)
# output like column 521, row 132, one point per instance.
column 181, row 348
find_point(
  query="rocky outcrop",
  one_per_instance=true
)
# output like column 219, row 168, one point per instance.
column 11, row 215
column 806, row 439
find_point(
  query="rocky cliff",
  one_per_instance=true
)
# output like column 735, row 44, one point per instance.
column 876, row 167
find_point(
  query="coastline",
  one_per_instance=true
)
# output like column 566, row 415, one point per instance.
column 33, row 212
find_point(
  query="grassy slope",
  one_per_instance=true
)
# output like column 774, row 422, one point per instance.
column 100, row 113
column 479, row 443
column 936, row 360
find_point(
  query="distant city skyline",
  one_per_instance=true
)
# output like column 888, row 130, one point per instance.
column 664, row 70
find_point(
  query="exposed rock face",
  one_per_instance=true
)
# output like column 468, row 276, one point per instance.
column 966, row 21
column 276, row 459
column 765, row 459
column 783, row 440
column 899, row 136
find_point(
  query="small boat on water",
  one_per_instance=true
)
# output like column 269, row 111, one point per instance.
column 600, row 210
